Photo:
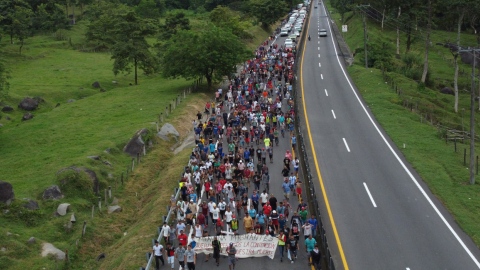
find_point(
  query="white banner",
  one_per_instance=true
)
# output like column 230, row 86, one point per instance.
column 247, row 245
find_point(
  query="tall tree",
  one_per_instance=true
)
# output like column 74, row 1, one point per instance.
column 83, row 3
column 212, row 53
column 174, row 22
column 21, row 23
column 50, row 17
column 131, row 47
column 427, row 41
column 148, row 9
column 268, row 11
column 7, row 13
column 224, row 17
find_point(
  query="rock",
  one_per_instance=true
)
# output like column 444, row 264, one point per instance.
column 63, row 209
column 6, row 117
column 91, row 174
column 447, row 91
column 96, row 84
column 136, row 143
column 27, row 116
column 163, row 137
column 467, row 58
column 451, row 46
column 7, row 108
column 439, row 44
column 103, row 90
column 69, row 225
column 114, row 209
column 39, row 99
column 94, row 157
column 6, row 211
column 30, row 204
column 9, row 233
column 6, row 193
column 3, row 249
column 115, row 201
column 1, row 125
column 32, row 240
column 114, row 82
column 28, row 104
column 110, row 175
column 58, row 105
column 53, row 193
column 166, row 130
column 101, row 256
column 72, row 218
column 71, row 100
column 107, row 163
column 48, row 249
column 107, row 150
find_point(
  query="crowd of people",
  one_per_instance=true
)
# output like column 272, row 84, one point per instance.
column 234, row 136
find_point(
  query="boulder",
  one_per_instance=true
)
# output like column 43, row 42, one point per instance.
column 452, row 46
column 114, row 82
column 91, row 174
column 467, row 58
column 27, row 116
column 48, row 249
column 28, row 104
column 136, row 143
column 53, row 193
column 63, row 208
column 447, row 91
column 30, row 204
column 114, row 209
column 3, row 249
column 1, row 125
column 107, row 163
column 32, row 240
column 115, row 201
column 7, row 108
column 6, row 117
column 96, row 84
column 6, row 193
column 71, row 100
column 101, row 256
column 72, row 218
column 107, row 150
column 168, row 129
column 94, row 157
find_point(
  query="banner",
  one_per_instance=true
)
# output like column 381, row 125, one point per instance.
column 247, row 245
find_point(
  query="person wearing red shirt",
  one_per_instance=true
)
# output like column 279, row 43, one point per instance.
column 223, row 182
column 207, row 186
column 267, row 209
column 182, row 238
column 222, row 170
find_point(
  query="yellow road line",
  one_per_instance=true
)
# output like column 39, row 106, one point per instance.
column 337, row 238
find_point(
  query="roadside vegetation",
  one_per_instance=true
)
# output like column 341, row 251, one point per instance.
column 421, row 105
column 55, row 51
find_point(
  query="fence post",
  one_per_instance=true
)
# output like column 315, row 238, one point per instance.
column 100, row 204
column 122, row 178
column 156, row 123
column 93, row 210
column 109, row 192
column 84, row 228
column 170, row 105
column 464, row 156
column 133, row 163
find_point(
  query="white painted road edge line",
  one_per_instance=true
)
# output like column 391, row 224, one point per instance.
column 326, row 93
column 334, row 117
column 371, row 198
column 401, row 162
column 321, row 75
column 346, row 145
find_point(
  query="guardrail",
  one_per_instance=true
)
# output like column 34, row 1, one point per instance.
column 301, row 150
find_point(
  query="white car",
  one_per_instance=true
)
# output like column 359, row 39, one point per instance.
column 322, row 33
column 288, row 41
column 288, row 46
column 284, row 32
column 296, row 33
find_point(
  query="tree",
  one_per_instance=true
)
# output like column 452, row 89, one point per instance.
column 83, row 3
column 212, row 53
column 224, row 17
column 50, row 17
column 174, row 22
column 427, row 41
column 148, row 9
column 131, row 48
column 21, row 23
column 268, row 11
column 7, row 12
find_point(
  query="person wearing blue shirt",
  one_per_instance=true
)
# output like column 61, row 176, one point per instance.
column 313, row 222
column 286, row 189
column 255, row 199
column 252, row 213
column 200, row 145
column 212, row 147
column 215, row 130
column 246, row 154
column 220, row 150
column 261, row 221
column 193, row 197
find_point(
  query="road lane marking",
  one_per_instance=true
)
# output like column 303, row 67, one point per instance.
column 334, row 117
column 321, row 75
column 326, row 93
column 319, row 54
column 319, row 65
column 346, row 145
column 371, row 198
column 319, row 48
column 460, row 241
column 327, row 204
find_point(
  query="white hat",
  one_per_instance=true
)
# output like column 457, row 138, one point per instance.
column 274, row 211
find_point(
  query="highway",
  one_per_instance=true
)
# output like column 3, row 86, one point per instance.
column 380, row 214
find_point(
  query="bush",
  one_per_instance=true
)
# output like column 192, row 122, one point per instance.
column 76, row 184
column 379, row 55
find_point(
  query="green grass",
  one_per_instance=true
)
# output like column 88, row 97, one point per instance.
column 436, row 162
column 54, row 67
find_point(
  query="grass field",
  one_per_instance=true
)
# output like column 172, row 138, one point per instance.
column 436, row 162
column 31, row 152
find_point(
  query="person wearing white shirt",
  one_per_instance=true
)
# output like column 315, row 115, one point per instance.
column 165, row 228
column 208, row 164
column 222, row 206
column 228, row 217
column 158, row 252
column 215, row 212
column 264, row 198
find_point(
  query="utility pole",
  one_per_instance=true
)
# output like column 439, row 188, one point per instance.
column 472, row 116
column 365, row 34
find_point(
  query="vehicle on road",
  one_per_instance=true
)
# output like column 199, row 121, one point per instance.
column 296, row 33
column 283, row 32
column 298, row 28
column 315, row 6
column 322, row 33
column 288, row 41
column 293, row 37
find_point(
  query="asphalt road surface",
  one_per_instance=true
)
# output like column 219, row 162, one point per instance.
column 383, row 214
